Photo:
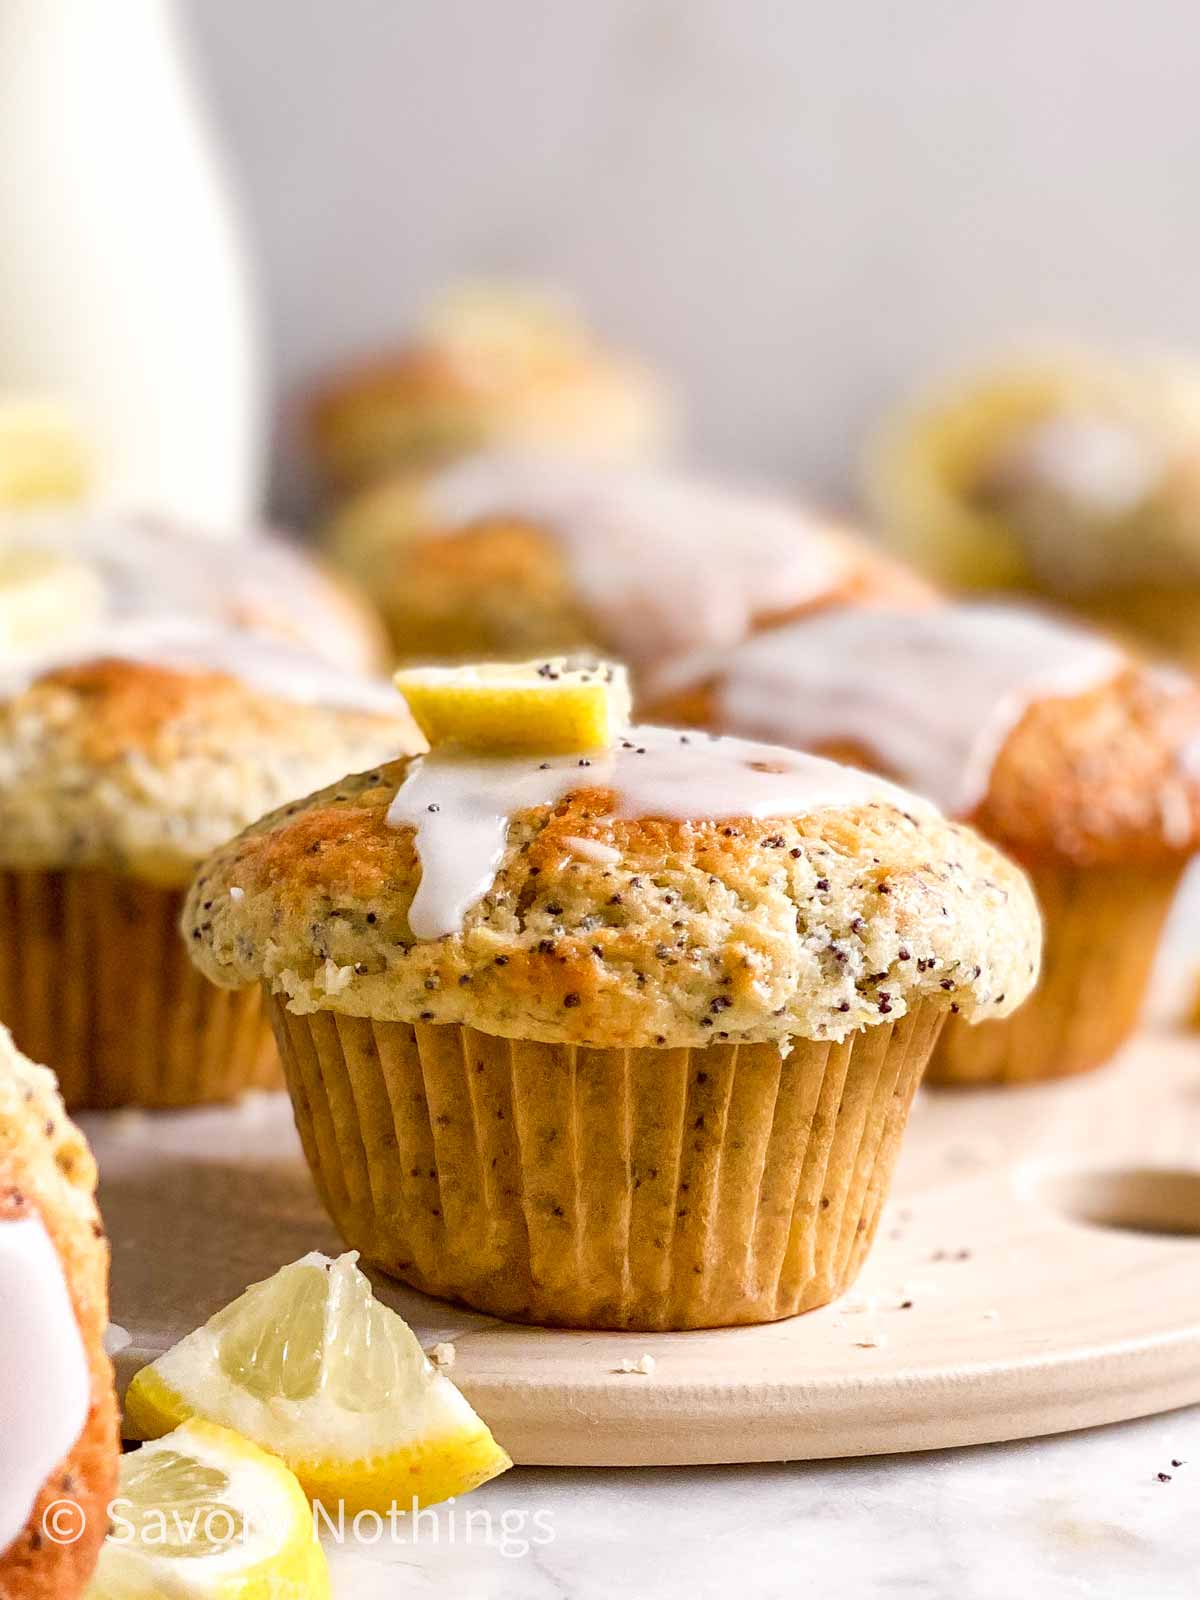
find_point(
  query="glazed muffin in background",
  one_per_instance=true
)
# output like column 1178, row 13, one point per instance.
column 623, row 1039
column 508, row 556
column 1074, row 475
column 1079, row 761
column 117, row 775
column 67, row 578
column 58, row 1411
column 490, row 367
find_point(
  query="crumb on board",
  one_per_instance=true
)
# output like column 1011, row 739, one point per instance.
column 116, row 1339
column 644, row 1365
column 853, row 1304
column 443, row 1355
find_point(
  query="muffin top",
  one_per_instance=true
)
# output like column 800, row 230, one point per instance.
column 57, row 1406
column 669, row 891
column 1062, row 470
column 66, row 578
column 491, row 366
column 509, row 554
column 1045, row 735
column 145, row 758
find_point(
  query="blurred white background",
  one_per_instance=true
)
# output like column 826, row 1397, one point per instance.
column 798, row 208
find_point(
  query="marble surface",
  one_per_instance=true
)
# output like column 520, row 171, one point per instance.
column 1078, row 1515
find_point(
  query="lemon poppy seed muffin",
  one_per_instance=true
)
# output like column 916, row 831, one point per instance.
column 117, row 775
column 622, row 1039
column 1075, row 758
column 58, row 1411
column 490, row 367
column 510, row 556
column 1070, row 473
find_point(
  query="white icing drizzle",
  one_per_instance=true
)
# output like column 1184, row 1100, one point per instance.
column 667, row 564
column 1066, row 483
column 460, row 806
column 151, row 569
column 45, row 1387
column 932, row 695
column 1098, row 464
column 272, row 666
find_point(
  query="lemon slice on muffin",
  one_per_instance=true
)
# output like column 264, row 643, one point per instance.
column 204, row 1512
column 552, row 705
column 311, row 1366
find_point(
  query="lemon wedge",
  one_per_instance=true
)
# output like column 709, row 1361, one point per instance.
column 206, row 1513
column 45, row 597
column 552, row 706
column 311, row 1366
column 42, row 458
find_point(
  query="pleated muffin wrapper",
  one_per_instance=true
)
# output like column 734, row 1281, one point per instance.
column 1102, row 927
column 596, row 1188
column 95, row 981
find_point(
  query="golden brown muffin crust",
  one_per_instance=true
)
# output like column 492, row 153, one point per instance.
column 671, row 933
column 434, row 401
column 382, row 410
column 46, row 1169
column 142, row 768
column 1110, row 777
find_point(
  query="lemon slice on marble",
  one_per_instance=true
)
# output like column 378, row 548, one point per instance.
column 203, row 1512
column 552, row 706
column 45, row 597
column 311, row 1366
column 42, row 458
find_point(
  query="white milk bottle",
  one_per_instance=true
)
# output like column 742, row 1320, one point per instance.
column 124, row 291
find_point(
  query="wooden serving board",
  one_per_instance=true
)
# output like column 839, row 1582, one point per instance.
column 1037, row 1269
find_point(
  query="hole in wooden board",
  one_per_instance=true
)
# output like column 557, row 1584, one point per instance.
column 1155, row 1200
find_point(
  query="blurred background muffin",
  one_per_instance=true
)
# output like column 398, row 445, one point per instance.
column 1080, row 762
column 509, row 556
column 1074, row 475
column 65, row 578
column 58, row 1411
column 622, row 1041
column 118, row 773
column 489, row 366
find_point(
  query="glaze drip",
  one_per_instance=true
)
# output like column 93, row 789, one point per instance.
column 143, row 568
column 1067, row 486
column 460, row 806
column 666, row 564
column 930, row 695
column 272, row 666
column 45, row 1386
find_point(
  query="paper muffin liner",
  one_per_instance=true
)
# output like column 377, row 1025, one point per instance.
column 95, row 981
column 597, row 1188
column 1102, row 928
